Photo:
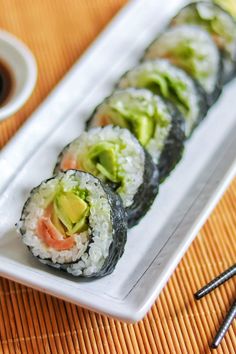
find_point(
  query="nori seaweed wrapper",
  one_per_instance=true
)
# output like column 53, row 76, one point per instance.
column 212, row 98
column 119, row 233
column 202, row 102
column 146, row 193
column 174, row 145
column 119, row 222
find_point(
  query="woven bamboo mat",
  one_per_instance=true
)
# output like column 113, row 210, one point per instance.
column 32, row 322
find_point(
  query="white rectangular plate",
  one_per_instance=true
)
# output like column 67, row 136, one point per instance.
column 156, row 245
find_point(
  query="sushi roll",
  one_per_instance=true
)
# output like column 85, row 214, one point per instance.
column 171, row 82
column 219, row 24
column 75, row 223
column 115, row 156
column 157, row 125
column 192, row 49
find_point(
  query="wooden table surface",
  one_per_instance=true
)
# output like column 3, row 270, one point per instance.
column 58, row 32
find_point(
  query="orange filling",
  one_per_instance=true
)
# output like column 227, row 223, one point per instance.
column 49, row 234
column 69, row 162
column 104, row 120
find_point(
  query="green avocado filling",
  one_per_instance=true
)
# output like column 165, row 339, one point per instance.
column 195, row 62
column 212, row 19
column 140, row 114
column 187, row 57
column 138, row 121
column 120, row 121
column 102, row 160
column 70, row 211
column 167, row 85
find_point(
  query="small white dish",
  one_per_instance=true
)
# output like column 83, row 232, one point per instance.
column 23, row 67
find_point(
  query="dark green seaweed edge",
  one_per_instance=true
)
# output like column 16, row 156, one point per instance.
column 146, row 193
column 59, row 158
column 225, row 77
column 174, row 144
column 119, row 232
column 202, row 102
column 211, row 98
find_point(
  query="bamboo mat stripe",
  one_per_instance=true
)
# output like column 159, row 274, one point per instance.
column 58, row 32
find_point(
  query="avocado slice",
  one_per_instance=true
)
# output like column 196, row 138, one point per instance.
column 71, row 206
column 103, row 155
column 57, row 223
column 106, row 173
column 117, row 119
column 140, row 124
column 99, row 148
column 156, row 81
column 88, row 165
column 143, row 129
column 61, row 215
column 81, row 225
column 107, row 159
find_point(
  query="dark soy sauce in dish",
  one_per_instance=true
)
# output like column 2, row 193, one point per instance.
column 6, row 83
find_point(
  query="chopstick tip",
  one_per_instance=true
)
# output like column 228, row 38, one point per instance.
column 214, row 345
column 196, row 296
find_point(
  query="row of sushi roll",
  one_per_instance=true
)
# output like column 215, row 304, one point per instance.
column 105, row 180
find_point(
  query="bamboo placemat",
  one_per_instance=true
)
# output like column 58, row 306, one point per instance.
column 32, row 322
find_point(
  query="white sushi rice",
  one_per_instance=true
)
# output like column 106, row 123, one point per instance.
column 130, row 159
column 207, row 57
column 149, row 104
column 89, row 254
column 135, row 77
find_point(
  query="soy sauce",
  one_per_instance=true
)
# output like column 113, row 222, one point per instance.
column 6, row 83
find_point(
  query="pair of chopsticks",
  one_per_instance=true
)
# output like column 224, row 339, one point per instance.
column 220, row 279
